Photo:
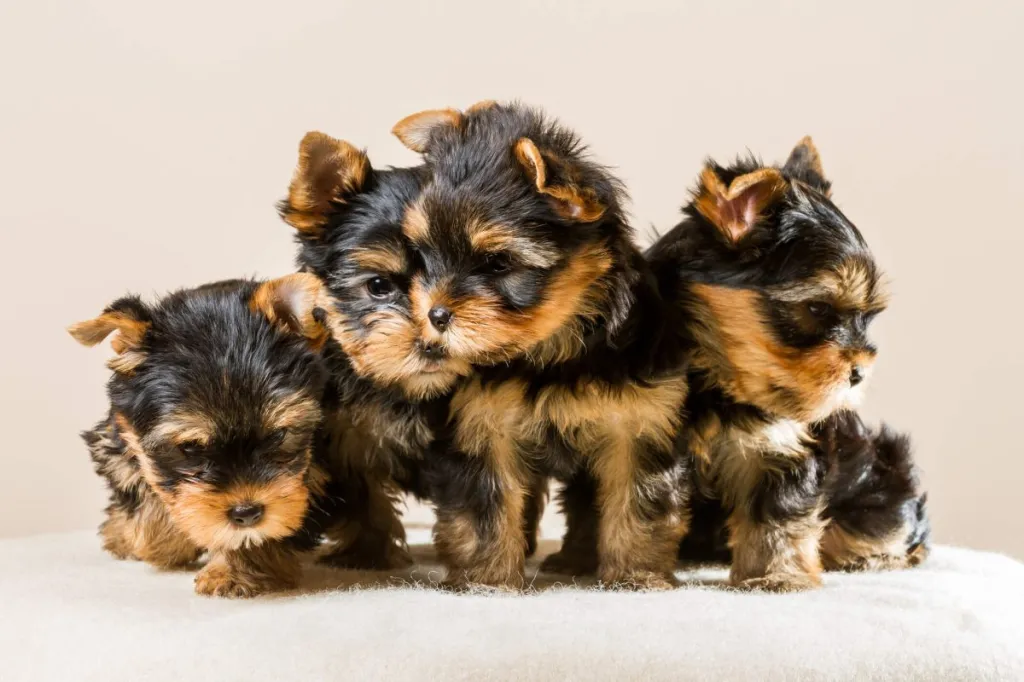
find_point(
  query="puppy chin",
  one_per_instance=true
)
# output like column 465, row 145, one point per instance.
column 843, row 396
column 227, row 538
column 430, row 379
column 431, row 383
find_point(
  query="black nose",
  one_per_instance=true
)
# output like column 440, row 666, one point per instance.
column 245, row 515
column 432, row 351
column 856, row 376
column 440, row 317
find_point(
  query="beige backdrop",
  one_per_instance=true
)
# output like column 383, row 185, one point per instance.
column 143, row 146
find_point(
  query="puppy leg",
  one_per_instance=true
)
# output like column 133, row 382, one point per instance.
column 137, row 524
column 479, row 532
column 370, row 535
column 775, row 525
column 249, row 572
column 578, row 502
column 536, row 499
column 642, row 498
column 144, row 531
column 480, row 481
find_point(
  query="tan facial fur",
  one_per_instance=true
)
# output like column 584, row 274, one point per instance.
column 740, row 349
column 201, row 512
column 483, row 330
column 383, row 346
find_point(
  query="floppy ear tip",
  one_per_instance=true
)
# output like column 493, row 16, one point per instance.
column 312, row 139
column 129, row 327
column 318, row 147
column 414, row 131
column 84, row 333
column 298, row 294
column 296, row 303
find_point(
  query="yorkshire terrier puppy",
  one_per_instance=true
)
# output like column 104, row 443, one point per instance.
column 213, row 442
column 777, row 289
column 519, row 262
column 391, row 383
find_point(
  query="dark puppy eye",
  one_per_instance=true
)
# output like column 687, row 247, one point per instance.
column 498, row 263
column 819, row 309
column 192, row 448
column 380, row 287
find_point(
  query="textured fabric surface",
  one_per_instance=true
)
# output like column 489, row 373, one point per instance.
column 70, row 612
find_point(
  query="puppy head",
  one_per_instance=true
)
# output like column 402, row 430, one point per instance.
column 216, row 392
column 788, row 286
column 349, row 220
column 517, row 238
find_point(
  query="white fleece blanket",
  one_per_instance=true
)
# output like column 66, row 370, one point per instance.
column 70, row 612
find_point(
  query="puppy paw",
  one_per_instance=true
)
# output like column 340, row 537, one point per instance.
column 119, row 550
column 482, row 583
column 640, row 581
column 569, row 563
column 222, row 581
column 780, row 582
column 459, row 586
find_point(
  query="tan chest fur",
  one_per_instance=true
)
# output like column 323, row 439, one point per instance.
column 590, row 415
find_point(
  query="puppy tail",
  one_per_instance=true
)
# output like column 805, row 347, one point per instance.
column 875, row 504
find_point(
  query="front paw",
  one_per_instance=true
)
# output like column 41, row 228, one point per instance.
column 780, row 582
column 119, row 550
column 217, row 580
column 566, row 562
column 462, row 581
column 463, row 586
column 639, row 581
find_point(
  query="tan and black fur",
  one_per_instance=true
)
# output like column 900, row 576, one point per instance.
column 777, row 289
column 525, row 269
column 214, row 442
column 389, row 392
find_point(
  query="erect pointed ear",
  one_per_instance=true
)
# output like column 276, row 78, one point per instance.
column 804, row 163
column 554, row 178
column 295, row 303
column 735, row 209
column 127, row 316
column 328, row 173
column 416, row 130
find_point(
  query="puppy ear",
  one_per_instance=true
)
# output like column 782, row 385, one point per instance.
column 735, row 209
column 127, row 316
column 416, row 130
column 482, row 105
column 328, row 173
column 295, row 303
column 804, row 163
column 555, row 179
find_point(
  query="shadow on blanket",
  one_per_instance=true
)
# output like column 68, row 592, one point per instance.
column 427, row 572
